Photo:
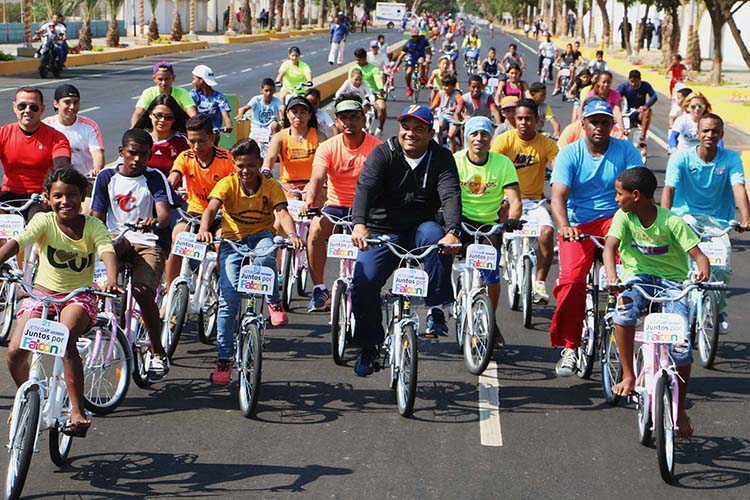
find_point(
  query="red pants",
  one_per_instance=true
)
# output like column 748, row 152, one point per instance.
column 575, row 259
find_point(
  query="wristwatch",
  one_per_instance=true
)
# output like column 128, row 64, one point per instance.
column 455, row 232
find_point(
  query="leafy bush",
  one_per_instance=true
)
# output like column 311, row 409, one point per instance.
column 6, row 57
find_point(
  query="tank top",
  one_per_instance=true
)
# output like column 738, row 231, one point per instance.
column 482, row 108
column 508, row 90
column 296, row 157
column 490, row 67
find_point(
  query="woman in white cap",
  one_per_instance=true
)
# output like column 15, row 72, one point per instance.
column 210, row 102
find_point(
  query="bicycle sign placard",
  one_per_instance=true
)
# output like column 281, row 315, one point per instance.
column 10, row 225
column 45, row 336
column 293, row 207
column 340, row 246
column 410, row 282
column 187, row 245
column 256, row 280
column 664, row 328
column 481, row 256
column 716, row 252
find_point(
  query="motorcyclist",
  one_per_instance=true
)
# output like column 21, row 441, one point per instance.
column 56, row 30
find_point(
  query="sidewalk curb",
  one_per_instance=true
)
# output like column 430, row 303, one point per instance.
column 89, row 58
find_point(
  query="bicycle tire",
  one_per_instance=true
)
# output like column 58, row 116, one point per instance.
column 7, row 310
column 22, row 444
column 141, row 357
column 102, row 396
column 664, row 427
column 459, row 314
column 406, row 384
column 526, row 293
column 208, row 313
column 708, row 331
column 339, row 324
column 174, row 319
column 249, row 370
column 610, row 362
column 287, row 258
column 479, row 347
column 302, row 278
column 513, row 292
column 59, row 443
column 587, row 349
column 642, row 405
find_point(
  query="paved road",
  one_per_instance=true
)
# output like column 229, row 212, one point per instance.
column 325, row 433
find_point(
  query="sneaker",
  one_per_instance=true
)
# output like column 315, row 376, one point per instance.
column 378, row 132
column 556, row 91
column 409, row 91
column 222, row 374
column 436, row 325
column 567, row 364
column 330, row 62
column 540, row 293
column 278, row 315
column 723, row 322
column 158, row 367
column 320, row 300
column 363, row 366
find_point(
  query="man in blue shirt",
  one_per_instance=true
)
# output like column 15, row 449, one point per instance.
column 583, row 202
column 708, row 183
column 416, row 51
column 338, row 32
column 635, row 91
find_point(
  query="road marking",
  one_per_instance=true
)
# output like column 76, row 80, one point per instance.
column 90, row 109
column 246, row 70
column 489, row 407
column 657, row 138
column 220, row 77
column 267, row 64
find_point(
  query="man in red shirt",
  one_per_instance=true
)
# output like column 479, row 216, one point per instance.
column 29, row 148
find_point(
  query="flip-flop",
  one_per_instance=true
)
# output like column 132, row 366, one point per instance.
column 683, row 437
column 76, row 429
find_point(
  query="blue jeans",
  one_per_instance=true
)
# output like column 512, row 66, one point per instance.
column 230, row 263
column 375, row 266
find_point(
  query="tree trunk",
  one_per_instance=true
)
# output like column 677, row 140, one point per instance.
column 606, row 28
column 580, row 8
column 717, row 23
column 300, row 14
column 246, row 18
column 113, row 34
column 560, row 16
column 291, row 14
column 271, row 14
column 84, row 36
column 153, row 29
column 641, row 31
column 323, row 14
column 279, row 15
column 739, row 41
column 176, row 27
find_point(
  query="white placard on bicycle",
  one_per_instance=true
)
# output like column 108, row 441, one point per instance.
column 340, row 246
column 256, row 280
column 100, row 274
column 663, row 328
column 260, row 134
column 187, row 245
column 11, row 225
column 716, row 251
column 410, row 282
column 530, row 230
column 564, row 72
column 45, row 337
column 294, row 206
column 603, row 275
column 481, row 257
column 493, row 82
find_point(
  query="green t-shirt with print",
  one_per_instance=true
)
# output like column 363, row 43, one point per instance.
column 483, row 186
column 179, row 94
column 659, row 250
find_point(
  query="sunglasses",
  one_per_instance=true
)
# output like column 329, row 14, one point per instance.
column 697, row 106
column 161, row 116
column 33, row 107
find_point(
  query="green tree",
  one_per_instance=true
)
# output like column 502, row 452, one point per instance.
column 113, row 30
column 153, row 24
column 84, row 35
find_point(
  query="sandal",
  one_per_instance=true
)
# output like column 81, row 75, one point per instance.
column 76, row 429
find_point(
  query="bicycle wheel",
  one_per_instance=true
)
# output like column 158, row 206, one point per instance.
column 664, row 427
column 514, row 296
column 642, row 405
column 303, row 277
column 7, row 309
column 459, row 314
column 141, row 356
column 707, row 329
column 339, row 324
column 406, row 384
column 207, row 314
column 105, row 381
column 587, row 349
column 526, row 292
column 249, row 368
column 59, row 443
column 174, row 319
column 287, row 259
column 610, row 361
column 22, row 444
column 480, row 339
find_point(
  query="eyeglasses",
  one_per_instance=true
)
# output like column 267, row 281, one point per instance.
column 161, row 116
column 697, row 106
column 33, row 107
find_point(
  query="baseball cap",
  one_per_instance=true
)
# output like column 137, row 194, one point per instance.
column 374, row 43
column 679, row 86
column 206, row 74
column 414, row 32
column 66, row 90
column 597, row 108
column 421, row 113
column 299, row 101
column 348, row 105
column 163, row 66
column 476, row 124
column 509, row 101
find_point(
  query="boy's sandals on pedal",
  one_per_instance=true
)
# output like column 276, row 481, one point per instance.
column 76, row 429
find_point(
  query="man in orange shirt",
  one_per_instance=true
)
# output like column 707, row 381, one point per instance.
column 574, row 130
column 338, row 160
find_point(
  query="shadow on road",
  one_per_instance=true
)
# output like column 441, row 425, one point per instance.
column 726, row 462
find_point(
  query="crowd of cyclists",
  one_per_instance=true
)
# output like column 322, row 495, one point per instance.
column 476, row 157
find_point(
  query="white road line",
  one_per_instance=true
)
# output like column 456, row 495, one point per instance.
column 246, row 70
column 135, row 97
column 267, row 64
column 489, row 407
column 658, row 140
column 90, row 109
column 220, row 77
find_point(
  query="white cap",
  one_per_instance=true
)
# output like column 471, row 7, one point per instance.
column 206, row 74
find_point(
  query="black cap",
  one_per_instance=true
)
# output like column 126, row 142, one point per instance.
column 66, row 90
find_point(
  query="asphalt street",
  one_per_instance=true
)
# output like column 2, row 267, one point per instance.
column 322, row 432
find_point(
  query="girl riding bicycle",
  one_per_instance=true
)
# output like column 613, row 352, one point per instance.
column 68, row 242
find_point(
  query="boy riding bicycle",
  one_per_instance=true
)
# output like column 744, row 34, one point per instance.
column 653, row 245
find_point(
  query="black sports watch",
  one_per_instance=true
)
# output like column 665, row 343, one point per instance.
column 455, row 232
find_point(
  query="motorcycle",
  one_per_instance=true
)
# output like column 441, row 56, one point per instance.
column 50, row 60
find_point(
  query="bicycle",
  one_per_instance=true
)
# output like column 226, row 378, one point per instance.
column 418, row 80
column 473, row 310
column 399, row 350
column 12, row 224
column 261, row 135
column 657, row 379
column 194, row 291
column 518, row 261
column 546, row 73
column 248, row 342
column 471, row 60
column 565, row 80
column 295, row 269
column 631, row 127
column 41, row 403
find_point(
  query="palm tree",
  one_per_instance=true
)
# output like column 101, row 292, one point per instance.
column 279, row 15
column 113, row 30
column 85, row 36
column 246, row 18
column 153, row 25
column 176, row 24
column 300, row 13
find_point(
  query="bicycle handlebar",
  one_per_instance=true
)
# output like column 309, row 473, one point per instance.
column 494, row 229
column 688, row 286
column 29, row 289
column 278, row 242
column 187, row 217
column 341, row 222
column 408, row 254
column 34, row 198
column 291, row 190
column 593, row 238
column 138, row 226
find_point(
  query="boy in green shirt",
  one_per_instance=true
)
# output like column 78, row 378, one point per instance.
column 654, row 244
column 164, row 79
